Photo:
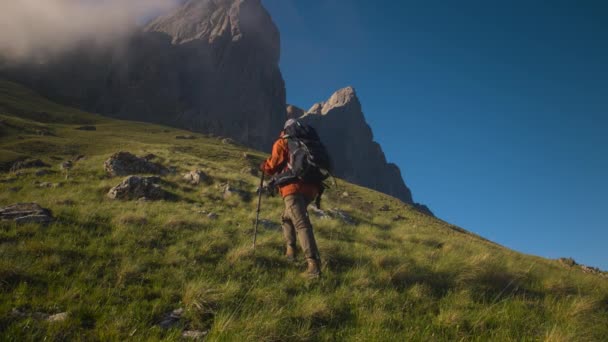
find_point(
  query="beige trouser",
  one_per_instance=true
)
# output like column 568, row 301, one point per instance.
column 297, row 223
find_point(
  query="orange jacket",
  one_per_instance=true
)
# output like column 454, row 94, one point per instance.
column 277, row 162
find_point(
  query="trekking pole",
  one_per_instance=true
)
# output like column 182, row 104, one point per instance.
column 257, row 215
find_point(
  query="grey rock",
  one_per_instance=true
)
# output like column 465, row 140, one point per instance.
column 230, row 191
column 60, row 317
column 28, row 164
column 66, row 165
column 136, row 187
column 227, row 141
column 26, row 213
column 212, row 216
column 49, row 185
column 194, row 334
column 125, row 163
column 334, row 213
column 171, row 319
column 342, row 215
column 195, row 177
column 399, row 218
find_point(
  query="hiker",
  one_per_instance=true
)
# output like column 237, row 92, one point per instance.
column 298, row 191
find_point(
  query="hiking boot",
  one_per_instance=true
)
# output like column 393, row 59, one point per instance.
column 290, row 253
column 313, row 270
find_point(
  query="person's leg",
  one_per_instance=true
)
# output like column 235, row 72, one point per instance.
column 297, row 206
column 289, row 235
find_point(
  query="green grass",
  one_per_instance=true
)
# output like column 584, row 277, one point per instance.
column 119, row 267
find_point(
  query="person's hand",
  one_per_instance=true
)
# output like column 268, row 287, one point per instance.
column 262, row 166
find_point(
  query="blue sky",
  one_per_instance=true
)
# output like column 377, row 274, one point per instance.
column 496, row 112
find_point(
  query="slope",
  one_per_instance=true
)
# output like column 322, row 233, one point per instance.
column 120, row 268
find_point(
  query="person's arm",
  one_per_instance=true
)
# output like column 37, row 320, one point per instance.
column 277, row 160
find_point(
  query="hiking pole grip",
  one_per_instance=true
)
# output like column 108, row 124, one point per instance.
column 257, row 215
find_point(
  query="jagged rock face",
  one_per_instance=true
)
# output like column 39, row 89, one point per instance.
column 349, row 139
column 210, row 66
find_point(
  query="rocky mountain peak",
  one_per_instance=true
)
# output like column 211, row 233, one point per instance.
column 213, row 20
column 341, row 98
column 356, row 156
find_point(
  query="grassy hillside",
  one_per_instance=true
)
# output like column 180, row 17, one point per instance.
column 119, row 267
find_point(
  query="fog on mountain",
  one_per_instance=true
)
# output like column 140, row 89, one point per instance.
column 34, row 29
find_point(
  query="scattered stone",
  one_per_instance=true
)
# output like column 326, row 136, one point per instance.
column 136, row 187
column 345, row 194
column 66, row 165
column 399, row 218
column 230, row 191
column 343, row 216
column 86, row 128
column 319, row 213
column 227, row 141
column 194, row 334
column 49, row 185
column 125, row 163
column 212, row 216
column 23, row 213
column 334, row 213
column 185, row 137
column 60, row 317
column 195, row 177
column 28, row 164
column 568, row 262
column 171, row 319
column 250, row 171
column 384, row 208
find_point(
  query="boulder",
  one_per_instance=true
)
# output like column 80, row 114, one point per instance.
column 125, row 163
column 171, row 318
column 230, row 191
column 195, row 177
column 26, row 213
column 136, row 187
column 28, row 164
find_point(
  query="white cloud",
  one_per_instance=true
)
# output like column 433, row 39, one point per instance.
column 31, row 27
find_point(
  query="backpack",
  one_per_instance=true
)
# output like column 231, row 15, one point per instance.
column 309, row 161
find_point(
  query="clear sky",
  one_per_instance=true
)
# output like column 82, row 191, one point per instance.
column 495, row 111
